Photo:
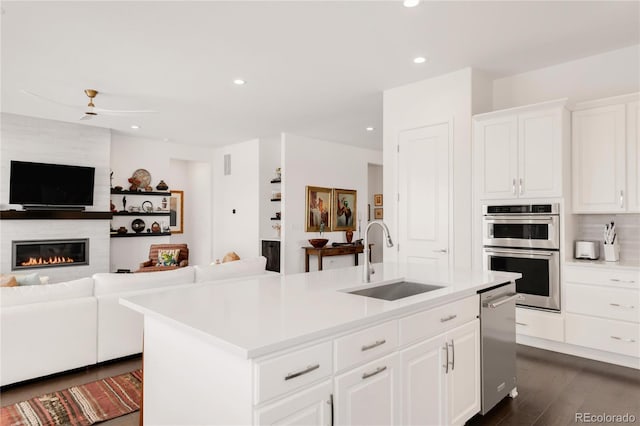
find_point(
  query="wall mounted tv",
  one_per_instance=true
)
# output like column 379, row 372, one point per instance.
column 50, row 186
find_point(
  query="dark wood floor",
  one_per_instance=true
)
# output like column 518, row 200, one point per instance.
column 552, row 388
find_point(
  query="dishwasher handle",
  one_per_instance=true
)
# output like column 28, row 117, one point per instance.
column 495, row 303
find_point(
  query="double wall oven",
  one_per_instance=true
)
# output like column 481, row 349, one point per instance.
column 525, row 239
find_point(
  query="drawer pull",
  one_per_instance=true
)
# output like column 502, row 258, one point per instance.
column 622, row 306
column 617, row 280
column 373, row 373
column 624, row 340
column 521, row 323
column 374, row 345
column 449, row 318
column 309, row 369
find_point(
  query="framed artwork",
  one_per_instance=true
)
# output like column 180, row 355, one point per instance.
column 318, row 208
column 377, row 199
column 344, row 210
column 378, row 213
column 176, row 212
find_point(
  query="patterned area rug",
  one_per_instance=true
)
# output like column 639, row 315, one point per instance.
column 79, row 405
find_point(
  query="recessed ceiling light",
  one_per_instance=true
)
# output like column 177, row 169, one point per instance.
column 411, row 3
column 369, row 129
column 419, row 60
column 135, row 126
column 239, row 81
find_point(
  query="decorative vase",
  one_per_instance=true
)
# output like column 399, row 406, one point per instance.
column 349, row 235
column 155, row 227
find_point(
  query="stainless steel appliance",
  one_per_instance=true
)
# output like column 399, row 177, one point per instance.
column 498, row 344
column 525, row 239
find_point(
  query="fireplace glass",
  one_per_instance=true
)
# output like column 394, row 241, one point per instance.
column 50, row 253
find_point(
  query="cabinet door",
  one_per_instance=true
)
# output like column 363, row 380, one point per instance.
column 311, row 407
column 540, row 154
column 368, row 395
column 497, row 153
column 463, row 383
column 633, row 156
column 423, row 369
column 598, row 146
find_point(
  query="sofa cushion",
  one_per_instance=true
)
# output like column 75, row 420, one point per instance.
column 23, row 295
column 108, row 283
column 239, row 268
column 168, row 257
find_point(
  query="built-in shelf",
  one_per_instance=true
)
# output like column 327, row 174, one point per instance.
column 141, row 213
column 277, row 180
column 141, row 234
column 276, row 199
column 166, row 193
column 53, row 214
column 275, row 218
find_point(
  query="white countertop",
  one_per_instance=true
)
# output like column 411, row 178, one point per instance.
column 255, row 317
column 626, row 264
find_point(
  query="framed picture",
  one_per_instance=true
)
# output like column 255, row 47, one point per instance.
column 318, row 209
column 377, row 199
column 378, row 213
column 176, row 212
column 344, row 210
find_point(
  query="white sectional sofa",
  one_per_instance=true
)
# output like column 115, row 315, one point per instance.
column 51, row 328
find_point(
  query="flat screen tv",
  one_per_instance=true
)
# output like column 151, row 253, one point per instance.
column 42, row 185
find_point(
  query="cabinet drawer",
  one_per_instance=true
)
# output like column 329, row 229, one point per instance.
column 434, row 321
column 293, row 370
column 366, row 345
column 544, row 325
column 606, row 335
column 605, row 302
column 602, row 276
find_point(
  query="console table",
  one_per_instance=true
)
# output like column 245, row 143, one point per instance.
column 333, row 251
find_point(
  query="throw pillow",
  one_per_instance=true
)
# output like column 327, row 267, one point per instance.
column 8, row 281
column 168, row 257
column 29, row 279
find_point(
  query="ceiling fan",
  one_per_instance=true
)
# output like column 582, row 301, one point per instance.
column 90, row 111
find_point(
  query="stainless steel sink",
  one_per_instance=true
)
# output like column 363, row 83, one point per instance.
column 395, row 291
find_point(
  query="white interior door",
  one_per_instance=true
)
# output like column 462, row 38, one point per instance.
column 423, row 188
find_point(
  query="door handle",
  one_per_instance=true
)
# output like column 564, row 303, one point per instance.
column 499, row 302
column 621, row 198
column 527, row 253
column 617, row 305
column 520, row 190
column 449, row 318
column 622, row 339
column 373, row 345
column 373, row 373
column 440, row 251
column 453, row 355
column 513, row 186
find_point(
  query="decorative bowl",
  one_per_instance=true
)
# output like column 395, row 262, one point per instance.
column 318, row 242
column 138, row 225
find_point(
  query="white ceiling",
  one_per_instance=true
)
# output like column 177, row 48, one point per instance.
column 313, row 68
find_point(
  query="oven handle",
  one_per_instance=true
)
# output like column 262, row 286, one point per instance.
column 523, row 252
column 521, row 219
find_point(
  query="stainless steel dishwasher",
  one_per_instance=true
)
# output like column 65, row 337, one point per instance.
column 498, row 344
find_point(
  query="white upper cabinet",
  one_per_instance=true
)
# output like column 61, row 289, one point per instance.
column 605, row 156
column 519, row 152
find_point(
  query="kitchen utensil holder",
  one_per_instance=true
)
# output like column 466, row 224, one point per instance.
column 612, row 252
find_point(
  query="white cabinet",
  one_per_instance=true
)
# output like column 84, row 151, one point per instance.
column 311, row 407
column 603, row 309
column 519, row 152
column 605, row 141
column 441, row 378
column 369, row 395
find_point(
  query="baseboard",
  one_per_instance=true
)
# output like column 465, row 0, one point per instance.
column 566, row 348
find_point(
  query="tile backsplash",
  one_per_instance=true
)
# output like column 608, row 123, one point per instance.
column 591, row 227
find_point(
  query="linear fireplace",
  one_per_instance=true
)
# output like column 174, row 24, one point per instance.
column 49, row 253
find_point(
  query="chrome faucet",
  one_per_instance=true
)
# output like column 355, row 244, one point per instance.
column 368, row 269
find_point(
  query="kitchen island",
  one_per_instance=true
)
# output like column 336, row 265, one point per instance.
column 300, row 349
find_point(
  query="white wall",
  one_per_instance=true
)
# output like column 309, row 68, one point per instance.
column 608, row 74
column 47, row 141
column 321, row 163
column 182, row 167
column 447, row 98
column 239, row 231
